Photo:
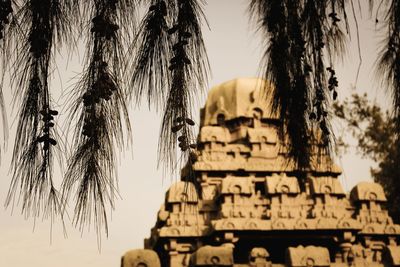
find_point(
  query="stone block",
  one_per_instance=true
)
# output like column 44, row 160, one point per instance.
column 236, row 185
column 214, row 134
column 212, row 256
column 325, row 185
column 182, row 192
column 140, row 258
column 262, row 135
column 366, row 191
column 239, row 98
column 282, row 184
column 307, row 256
column 259, row 257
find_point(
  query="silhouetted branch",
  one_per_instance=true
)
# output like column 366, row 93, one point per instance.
column 101, row 112
column 297, row 34
column 46, row 25
column 189, row 70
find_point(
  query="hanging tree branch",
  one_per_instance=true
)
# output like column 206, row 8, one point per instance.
column 35, row 144
column 102, row 114
column 299, row 100
column 389, row 64
column 389, row 61
column 316, row 34
column 6, row 14
column 189, row 70
column 296, row 35
column 170, row 66
column 150, row 75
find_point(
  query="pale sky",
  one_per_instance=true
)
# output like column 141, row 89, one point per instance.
column 234, row 51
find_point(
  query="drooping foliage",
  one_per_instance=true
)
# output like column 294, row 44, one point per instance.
column 172, row 74
column 389, row 60
column 151, row 49
column 168, row 68
column 388, row 70
column 388, row 67
column 40, row 27
column 300, row 36
column 101, row 113
column 6, row 13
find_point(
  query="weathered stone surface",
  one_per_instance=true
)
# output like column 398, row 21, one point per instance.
column 259, row 257
column 250, row 206
column 238, row 98
column 392, row 256
column 307, row 256
column 140, row 258
column 212, row 256
column 366, row 191
column 326, row 185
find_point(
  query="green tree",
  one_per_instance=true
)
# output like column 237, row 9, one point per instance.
column 376, row 135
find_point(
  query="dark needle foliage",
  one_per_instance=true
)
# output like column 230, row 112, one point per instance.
column 6, row 13
column 188, row 68
column 297, row 36
column 101, row 112
column 149, row 75
column 388, row 70
column 41, row 25
column 169, row 67
column 388, row 67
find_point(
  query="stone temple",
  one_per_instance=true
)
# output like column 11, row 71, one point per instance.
column 249, row 206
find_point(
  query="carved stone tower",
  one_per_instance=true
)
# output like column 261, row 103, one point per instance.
column 250, row 206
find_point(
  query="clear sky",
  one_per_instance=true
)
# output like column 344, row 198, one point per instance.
column 234, row 51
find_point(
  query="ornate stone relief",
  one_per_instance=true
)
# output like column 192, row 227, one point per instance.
column 249, row 206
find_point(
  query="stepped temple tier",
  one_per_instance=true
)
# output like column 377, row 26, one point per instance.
column 250, row 206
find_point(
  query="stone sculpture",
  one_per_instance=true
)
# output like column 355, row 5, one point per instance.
column 250, row 206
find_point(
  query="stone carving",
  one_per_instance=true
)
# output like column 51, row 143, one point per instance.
column 259, row 257
column 307, row 256
column 368, row 198
column 212, row 256
column 182, row 192
column 140, row 258
column 238, row 98
column 249, row 206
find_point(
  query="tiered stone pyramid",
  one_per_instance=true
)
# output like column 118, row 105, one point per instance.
column 250, row 206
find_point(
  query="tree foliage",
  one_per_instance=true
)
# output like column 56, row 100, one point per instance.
column 376, row 135
column 300, row 37
column 169, row 68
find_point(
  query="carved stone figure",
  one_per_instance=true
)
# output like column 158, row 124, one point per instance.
column 250, row 206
